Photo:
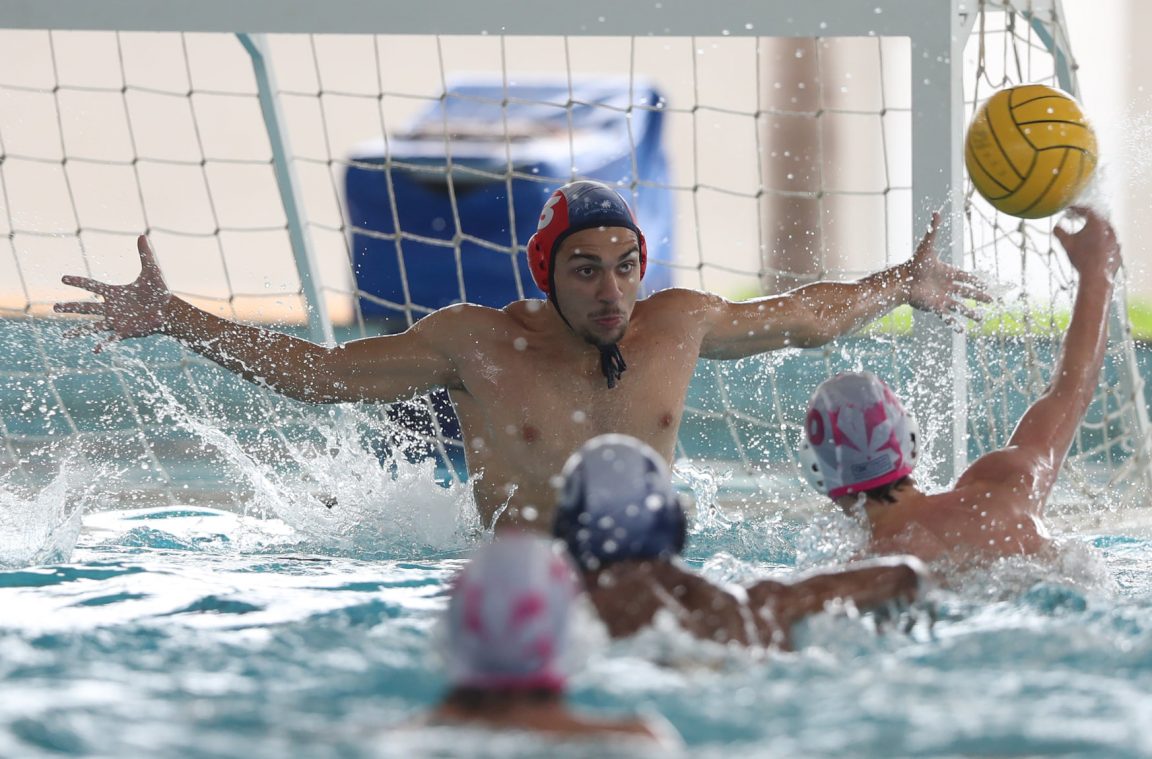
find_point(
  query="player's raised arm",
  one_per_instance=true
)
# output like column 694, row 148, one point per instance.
column 377, row 369
column 1045, row 432
column 814, row 314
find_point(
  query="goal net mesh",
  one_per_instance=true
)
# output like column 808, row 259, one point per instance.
column 419, row 163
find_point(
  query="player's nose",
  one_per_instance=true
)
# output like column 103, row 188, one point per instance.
column 609, row 290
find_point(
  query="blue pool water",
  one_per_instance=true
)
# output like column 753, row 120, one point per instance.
column 201, row 633
column 277, row 627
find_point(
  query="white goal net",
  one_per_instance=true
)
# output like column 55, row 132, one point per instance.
column 343, row 176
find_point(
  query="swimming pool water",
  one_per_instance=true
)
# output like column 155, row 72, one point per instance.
column 201, row 633
column 284, row 628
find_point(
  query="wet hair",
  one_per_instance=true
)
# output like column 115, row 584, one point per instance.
column 884, row 492
column 475, row 699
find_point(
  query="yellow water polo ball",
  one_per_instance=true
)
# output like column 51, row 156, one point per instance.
column 1030, row 151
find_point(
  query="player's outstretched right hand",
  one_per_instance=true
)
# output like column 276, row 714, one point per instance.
column 1094, row 247
column 132, row 310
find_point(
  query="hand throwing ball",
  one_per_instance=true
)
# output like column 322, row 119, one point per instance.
column 1030, row 151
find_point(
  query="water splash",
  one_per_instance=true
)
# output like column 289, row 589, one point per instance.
column 338, row 491
column 829, row 537
column 705, row 483
column 1067, row 573
column 41, row 529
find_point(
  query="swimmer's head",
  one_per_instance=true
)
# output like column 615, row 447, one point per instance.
column 618, row 503
column 578, row 205
column 508, row 619
column 857, row 436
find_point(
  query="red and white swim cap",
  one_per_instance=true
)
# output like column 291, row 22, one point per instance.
column 578, row 205
column 857, row 436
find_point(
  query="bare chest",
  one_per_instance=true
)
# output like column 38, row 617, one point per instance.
column 548, row 398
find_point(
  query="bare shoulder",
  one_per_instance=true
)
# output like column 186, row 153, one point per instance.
column 682, row 297
column 994, row 509
column 680, row 304
column 672, row 573
column 466, row 320
column 689, row 588
column 1008, row 469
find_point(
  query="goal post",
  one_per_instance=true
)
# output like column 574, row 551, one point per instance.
column 319, row 323
column 380, row 93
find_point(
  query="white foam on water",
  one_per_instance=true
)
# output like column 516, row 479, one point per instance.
column 340, row 494
column 41, row 528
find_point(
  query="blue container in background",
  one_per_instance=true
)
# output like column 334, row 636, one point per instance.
column 511, row 145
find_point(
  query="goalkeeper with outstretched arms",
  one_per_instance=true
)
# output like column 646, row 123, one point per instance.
column 534, row 380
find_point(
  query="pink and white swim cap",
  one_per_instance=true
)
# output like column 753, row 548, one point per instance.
column 857, row 436
column 509, row 615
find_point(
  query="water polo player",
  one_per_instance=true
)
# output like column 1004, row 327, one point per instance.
column 623, row 522
column 859, row 445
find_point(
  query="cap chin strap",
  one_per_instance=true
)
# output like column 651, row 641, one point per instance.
column 611, row 360
column 611, row 363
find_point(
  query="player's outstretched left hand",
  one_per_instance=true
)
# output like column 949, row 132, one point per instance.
column 941, row 288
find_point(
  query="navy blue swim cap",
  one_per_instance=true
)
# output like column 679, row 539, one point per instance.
column 618, row 503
